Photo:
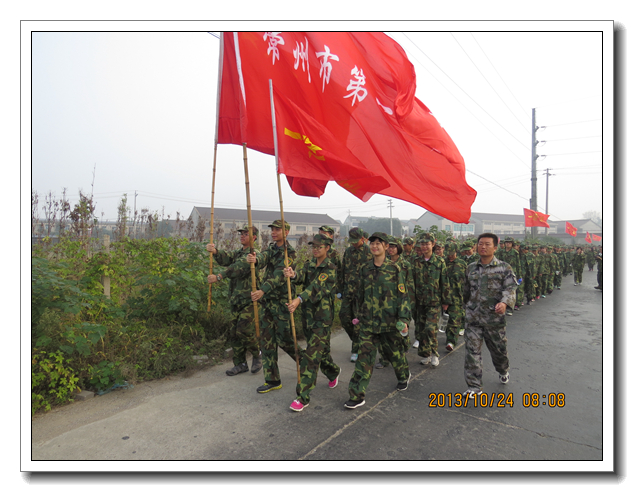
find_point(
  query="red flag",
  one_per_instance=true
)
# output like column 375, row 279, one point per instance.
column 596, row 238
column 588, row 238
column 358, row 88
column 535, row 219
column 570, row 229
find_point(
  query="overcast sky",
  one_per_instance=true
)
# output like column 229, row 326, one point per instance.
column 139, row 110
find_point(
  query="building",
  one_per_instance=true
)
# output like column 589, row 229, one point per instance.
column 229, row 219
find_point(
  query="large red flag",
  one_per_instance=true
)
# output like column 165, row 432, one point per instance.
column 358, row 88
column 596, row 238
column 570, row 229
column 535, row 219
column 588, row 238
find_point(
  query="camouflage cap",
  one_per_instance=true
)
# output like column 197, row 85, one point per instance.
column 426, row 237
column 379, row 235
column 409, row 240
column 320, row 239
column 466, row 246
column 278, row 223
column 365, row 234
column 354, row 235
column 245, row 228
column 327, row 229
column 533, row 246
column 509, row 239
column 439, row 245
column 451, row 248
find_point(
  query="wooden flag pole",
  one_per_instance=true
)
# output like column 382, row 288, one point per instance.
column 250, row 223
column 279, row 189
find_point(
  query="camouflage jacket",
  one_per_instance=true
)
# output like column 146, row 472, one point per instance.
column 561, row 256
column 239, row 273
column 456, row 271
column 600, row 263
column 512, row 257
column 528, row 266
column 578, row 260
column 353, row 260
column 542, row 265
column 408, row 273
column 382, row 297
column 485, row 286
column 554, row 263
column 273, row 281
column 430, row 282
column 318, row 284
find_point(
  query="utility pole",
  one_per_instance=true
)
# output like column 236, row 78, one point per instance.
column 547, row 176
column 390, row 206
column 135, row 194
column 533, row 170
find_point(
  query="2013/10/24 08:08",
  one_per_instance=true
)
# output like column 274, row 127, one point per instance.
column 499, row 400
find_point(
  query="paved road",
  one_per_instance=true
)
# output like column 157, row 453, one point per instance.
column 555, row 346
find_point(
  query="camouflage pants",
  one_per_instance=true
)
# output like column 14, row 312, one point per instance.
column 392, row 346
column 316, row 356
column 455, row 323
column 543, row 283
column 557, row 279
column 495, row 338
column 276, row 332
column 242, row 335
column 550, row 283
column 529, row 288
column 519, row 294
column 346, row 315
column 427, row 327
column 578, row 275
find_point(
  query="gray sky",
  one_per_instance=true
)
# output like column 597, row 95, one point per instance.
column 140, row 109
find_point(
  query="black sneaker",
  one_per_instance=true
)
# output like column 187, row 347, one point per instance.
column 354, row 403
column 242, row 367
column 266, row 387
column 403, row 386
column 256, row 364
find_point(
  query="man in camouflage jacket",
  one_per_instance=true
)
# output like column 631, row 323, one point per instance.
column 528, row 267
column 318, row 278
column 489, row 291
column 273, row 297
column 356, row 255
column 383, row 315
column 456, row 269
column 238, row 272
column 432, row 297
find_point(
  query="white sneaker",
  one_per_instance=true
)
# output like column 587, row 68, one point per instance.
column 504, row 378
column 425, row 360
column 461, row 332
column 434, row 360
column 416, row 344
column 471, row 394
column 354, row 357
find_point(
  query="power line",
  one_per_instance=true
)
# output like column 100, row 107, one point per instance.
column 572, row 153
column 571, row 138
column 571, row 123
column 488, row 181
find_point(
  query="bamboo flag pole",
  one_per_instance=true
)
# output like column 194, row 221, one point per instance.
column 253, row 282
column 213, row 173
column 279, row 189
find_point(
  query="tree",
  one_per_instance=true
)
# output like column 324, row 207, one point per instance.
column 382, row 224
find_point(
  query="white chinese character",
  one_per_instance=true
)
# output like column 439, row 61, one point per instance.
column 274, row 40
column 358, row 92
column 301, row 53
column 326, row 66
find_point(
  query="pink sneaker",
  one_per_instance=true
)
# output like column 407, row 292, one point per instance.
column 298, row 406
column 333, row 384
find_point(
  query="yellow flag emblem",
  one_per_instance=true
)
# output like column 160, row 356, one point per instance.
column 312, row 148
column 323, row 277
column 401, row 288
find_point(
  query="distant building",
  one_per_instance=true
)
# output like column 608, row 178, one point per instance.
column 228, row 218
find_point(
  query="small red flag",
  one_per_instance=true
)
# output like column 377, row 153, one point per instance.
column 596, row 238
column 588, row 238
column 357, row 86
column 535, row 219
column 570, row 229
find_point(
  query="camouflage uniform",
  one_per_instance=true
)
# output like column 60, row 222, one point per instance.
column 578, row 261
column 276, row 321
column 543, row 272
column 553, row 264
column 528, row 280
column 383, row 301
column 432, row 291
column 599, row 271
column 485, row 286
column 242, row 334
column 560, row 267
column 591, row 259
column 411, row 255
column 351, row 263
column 456, row 270
column 317, row 317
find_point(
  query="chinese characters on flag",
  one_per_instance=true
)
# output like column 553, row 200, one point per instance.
column 346, row 111
column 535, row 219
column 570, row 229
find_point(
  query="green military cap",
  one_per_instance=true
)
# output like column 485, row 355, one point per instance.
column 408, row 240
column 466, row 245
column 396, row 242
column 509, row 239
column 379, row 235
column 365, row 234
column 533, row 246
column 327, row 229
column 320, row 239
column 278, row 223
column 439, row 245
column 426, row 237
column 391, row 240
column 245, row 228
column 451, row 248
column 354, row 235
